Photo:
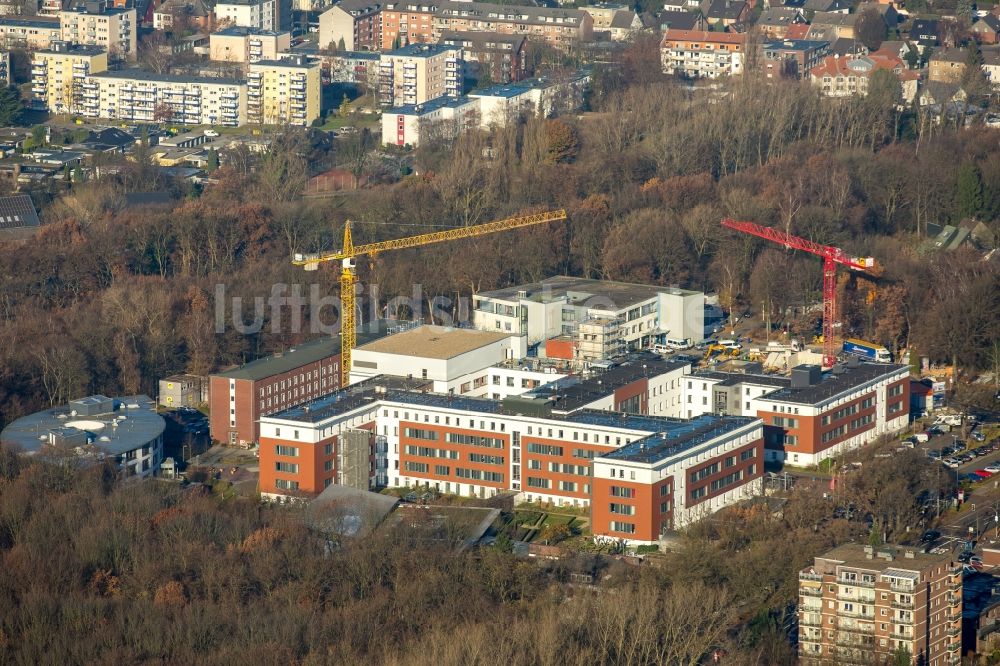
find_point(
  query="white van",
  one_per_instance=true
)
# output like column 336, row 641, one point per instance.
column 678, row 345
column 659, row 348
column 730, row 344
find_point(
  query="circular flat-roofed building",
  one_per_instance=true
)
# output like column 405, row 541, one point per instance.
column 126, row 429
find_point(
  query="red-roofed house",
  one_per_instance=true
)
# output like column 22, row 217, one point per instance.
column 699, row 53
column 797, row 31
column 844, row 76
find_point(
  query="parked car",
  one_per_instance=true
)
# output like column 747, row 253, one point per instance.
column 952, row 462
column 995, row 468
column 930, row 535
column 933, row 453
column 983, row 473
column 978, row 436
column 211, row 133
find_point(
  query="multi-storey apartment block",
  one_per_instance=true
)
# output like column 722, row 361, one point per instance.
column 146, row 96
column 557, row 27
column 354, row 67
column 243, row 45
column 406, row 23
column 490, row 54
column 261, row 14
column 33, row 33
column 699, row 53
column 284, row 92
column 419, row 73
column 59, row 75
column 351, row 25
column 865, row 605
column 792, row 58
column 94, row 23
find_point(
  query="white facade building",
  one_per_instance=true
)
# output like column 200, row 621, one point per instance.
column 262, row 14
column 454, row 360
column 557, row 306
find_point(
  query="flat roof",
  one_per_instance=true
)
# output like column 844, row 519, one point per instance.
column 72, row 49
column 133, row 424
column 145, row 75
column 734, row 378
column 579, row 290
column 573, row 391
column 246, row 31
column 354, row 396
column 676, row 436
column 298, row 61
column 795, row 44
column 854, row 555
column 421, row 50
column 429, row 106
column 33, row 22
column 835, row 382
column 301, row 354
column 415, row 392
column 438, row 342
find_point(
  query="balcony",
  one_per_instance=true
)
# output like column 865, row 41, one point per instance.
column 811, row 591
column 856, row 583
column 954, row 647
column 901, row 637
column 954, row 631
column 905, row 589
column 857, row 614
column 806, row 622
column 907, row 605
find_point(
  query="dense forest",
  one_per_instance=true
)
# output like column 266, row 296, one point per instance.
column 97, row 571
column 109, row 298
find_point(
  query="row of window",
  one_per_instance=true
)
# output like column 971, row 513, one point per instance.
column 474, row 440
column 427, row 452
column 478, row 475
column 729, row 479
column 783, row 422
column 417, row 433
column 485, row 459
column 545, row 449
column 704, row 472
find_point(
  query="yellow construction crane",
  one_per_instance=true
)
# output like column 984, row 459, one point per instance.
column 347, row 254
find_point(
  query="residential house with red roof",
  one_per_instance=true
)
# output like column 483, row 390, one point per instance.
column 849, row 75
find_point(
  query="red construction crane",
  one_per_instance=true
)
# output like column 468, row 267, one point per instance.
column 831, row 257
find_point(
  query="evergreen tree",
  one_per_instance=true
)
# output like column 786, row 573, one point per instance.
column 213, row 159
column 969, row 191
column 345, row 107
column 10, row 106
column 912, row 58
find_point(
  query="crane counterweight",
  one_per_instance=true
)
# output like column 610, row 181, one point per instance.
column 832, row 257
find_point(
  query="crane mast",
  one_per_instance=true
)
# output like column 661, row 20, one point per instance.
column 832, row 257
column 348, row 275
